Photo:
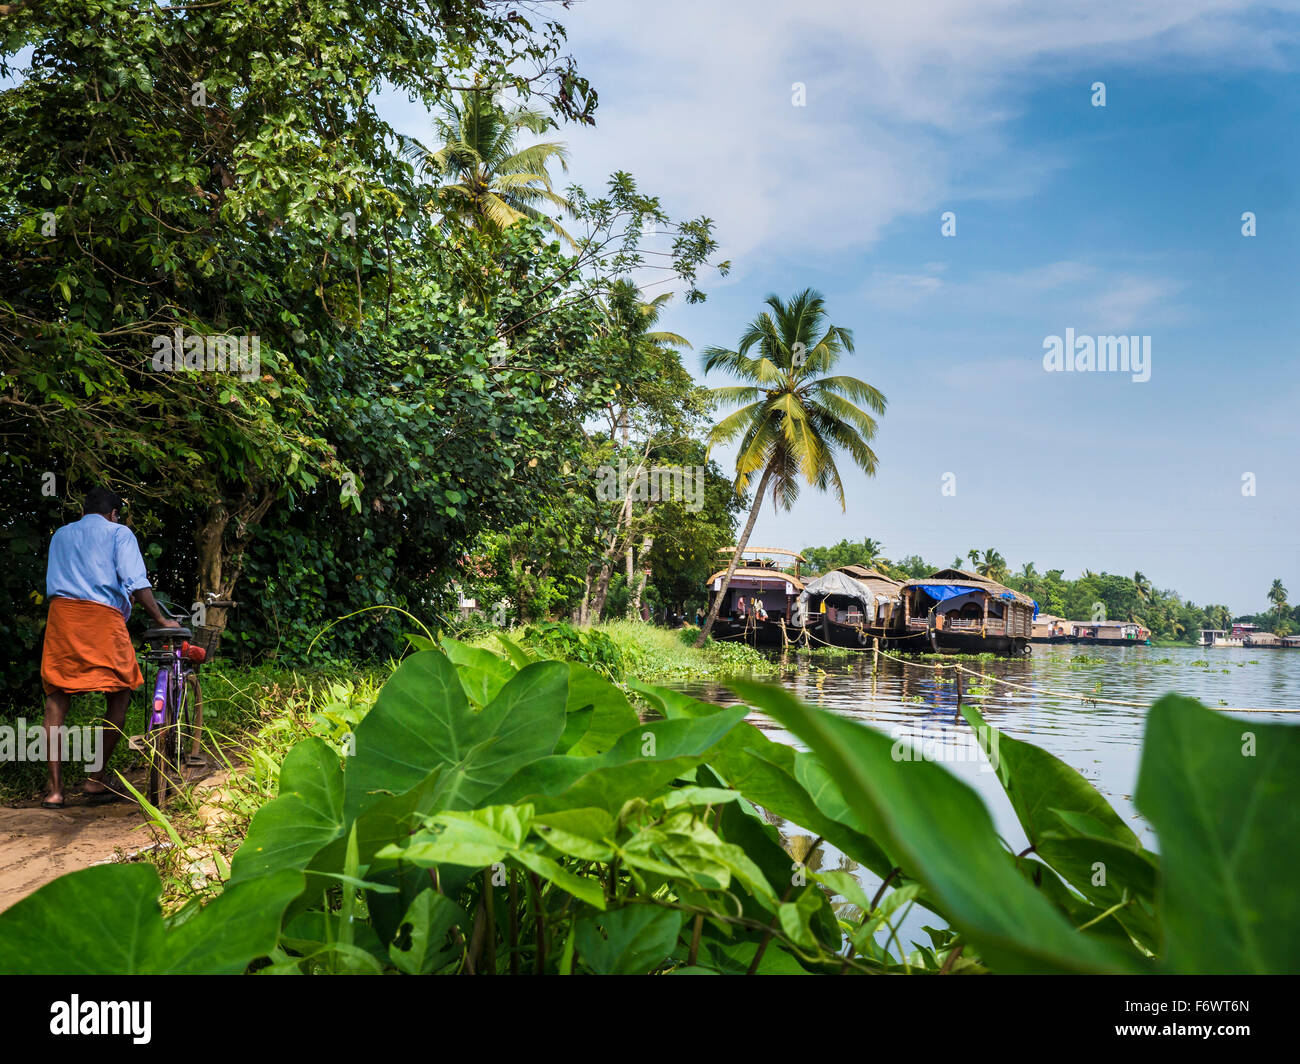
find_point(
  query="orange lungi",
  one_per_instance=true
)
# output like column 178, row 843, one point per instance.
column 87, row 649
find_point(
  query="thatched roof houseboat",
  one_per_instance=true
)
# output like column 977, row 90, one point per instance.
column 968, row 613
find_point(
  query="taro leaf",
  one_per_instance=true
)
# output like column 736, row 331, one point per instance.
column 643, row 761
column 580, row 833
column 516, row 653
column 482, row 837
column 1041, row 786
column 481, row 672
column 1074, row 829
column 307, row 815
column 584, row 888
column 420, row 944
column 476, row 839
column 1221, row 795
column 633, row 940
column 421, row 723
column 765, row 772
column 599, row 713
column 684, row 846
column 105, row 920
column 945, row 838
column 735, row 958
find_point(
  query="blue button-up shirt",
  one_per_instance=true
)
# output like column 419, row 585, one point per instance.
column 97, row 561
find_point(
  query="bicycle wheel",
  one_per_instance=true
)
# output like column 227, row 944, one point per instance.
column 189, row 743
column 163, row 749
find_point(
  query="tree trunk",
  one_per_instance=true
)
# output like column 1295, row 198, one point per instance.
column 584, row 610
column 221, row 555
column 712, row 618
column 634, row 604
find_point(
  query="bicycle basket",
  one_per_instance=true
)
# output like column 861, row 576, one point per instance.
column 208, row 638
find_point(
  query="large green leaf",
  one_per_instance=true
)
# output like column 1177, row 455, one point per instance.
column 307, row 815
column 481, row 672
column 642, row 762
column 1222, row 795
column 945, row 838
column 599, row 713
column 629, row 941
column 422, row 723
column 420, row 945
column 1074, row 829
column 767, row 774
column 105, row 920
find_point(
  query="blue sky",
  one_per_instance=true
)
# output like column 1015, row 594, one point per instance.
column 1123, row 219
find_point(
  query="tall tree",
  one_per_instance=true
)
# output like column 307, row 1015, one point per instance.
column 793, row 417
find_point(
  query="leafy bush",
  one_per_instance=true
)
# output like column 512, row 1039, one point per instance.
column 589, row 646
column 511, row 814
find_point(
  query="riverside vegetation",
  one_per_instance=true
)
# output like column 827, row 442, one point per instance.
column 497, row 812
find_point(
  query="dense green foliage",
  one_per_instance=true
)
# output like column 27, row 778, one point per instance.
column 424, row 375
column 498, row 813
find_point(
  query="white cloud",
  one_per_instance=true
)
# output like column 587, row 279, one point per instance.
column 903, row 101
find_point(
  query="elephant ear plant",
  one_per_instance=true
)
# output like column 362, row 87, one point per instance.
column 504, row 814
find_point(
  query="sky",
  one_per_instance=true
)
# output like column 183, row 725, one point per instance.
column 1122, row 219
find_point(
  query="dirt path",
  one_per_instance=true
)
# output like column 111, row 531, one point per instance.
column 38, row 845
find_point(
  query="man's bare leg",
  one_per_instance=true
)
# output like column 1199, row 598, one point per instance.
column 115, row 714
column 56, row 712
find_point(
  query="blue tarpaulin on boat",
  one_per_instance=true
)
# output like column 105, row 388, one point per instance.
column 940, row 592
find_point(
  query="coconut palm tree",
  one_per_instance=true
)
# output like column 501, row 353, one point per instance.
column 793, row 419
column 870, row 551
column 1142, row 586
column 1277, row 595
column 485, row 181
column 990, row 564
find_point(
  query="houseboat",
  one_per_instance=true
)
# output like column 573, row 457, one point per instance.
column 850, row 606
column 1049, row 629
column 966, row 613
column 759, row 604
column 1111, row 634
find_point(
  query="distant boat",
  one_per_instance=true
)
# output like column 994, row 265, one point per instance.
column 760, row 601
column 1111, row 634
column 967, row 613
column 1050, row 629
column 850, row 607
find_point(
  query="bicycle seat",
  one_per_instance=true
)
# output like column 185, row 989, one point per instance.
column 167, row 633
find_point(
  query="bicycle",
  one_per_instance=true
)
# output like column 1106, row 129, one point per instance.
column 176, row 712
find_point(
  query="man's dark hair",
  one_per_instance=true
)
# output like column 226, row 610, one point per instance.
column 101, row 501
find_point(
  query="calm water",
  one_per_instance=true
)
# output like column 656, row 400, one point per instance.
column 1102, row 742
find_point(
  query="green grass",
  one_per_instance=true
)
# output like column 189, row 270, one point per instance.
column 237, row 701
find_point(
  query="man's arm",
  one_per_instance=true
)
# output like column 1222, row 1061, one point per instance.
column 144, row 596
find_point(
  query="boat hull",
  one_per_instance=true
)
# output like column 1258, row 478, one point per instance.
column 1080, row 641
column 950, row 642
column 756, row 634
column 824, row 631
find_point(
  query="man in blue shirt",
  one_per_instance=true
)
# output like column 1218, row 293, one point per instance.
column 95, row 571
